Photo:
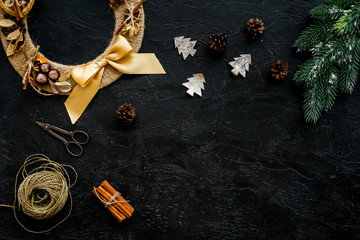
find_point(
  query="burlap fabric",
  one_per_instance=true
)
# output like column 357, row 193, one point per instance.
column 110, row 75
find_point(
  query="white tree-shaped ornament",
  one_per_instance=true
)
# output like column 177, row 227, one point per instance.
column 185, row 46
column 195, row 84
column 241, row 65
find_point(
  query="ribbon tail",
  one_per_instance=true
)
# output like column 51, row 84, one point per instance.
column 139, row 63
column 81, row 97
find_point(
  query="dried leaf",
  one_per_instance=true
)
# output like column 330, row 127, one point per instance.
column 64, row 77
column 13, row 35
column 10, row 50
column 20, row 46
column 6, row 23
column 19, row 40
column 136, row 28
column 63, row 87
column 53, row 87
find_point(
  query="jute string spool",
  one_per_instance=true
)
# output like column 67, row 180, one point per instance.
column 44, row 190
column 18, row 61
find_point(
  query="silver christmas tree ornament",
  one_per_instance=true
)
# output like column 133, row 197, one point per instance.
column 185, row 46
column 241, row 65
column 195, row 84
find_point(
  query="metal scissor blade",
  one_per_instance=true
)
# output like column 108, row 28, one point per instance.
column 45, row 126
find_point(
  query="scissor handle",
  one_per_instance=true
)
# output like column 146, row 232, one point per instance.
column 68, row 144
column 78, row 132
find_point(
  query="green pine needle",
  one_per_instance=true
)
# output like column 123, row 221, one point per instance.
column 334, row 41
column 312, row 104
column 341, row 3
column 351, row 67
column 327, row 12
column 349, row 22
column 330, row 88
column 313, row 34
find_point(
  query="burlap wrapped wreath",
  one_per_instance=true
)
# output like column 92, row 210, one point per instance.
column 20, row 63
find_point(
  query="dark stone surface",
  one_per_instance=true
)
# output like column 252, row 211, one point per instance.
column 239, row 163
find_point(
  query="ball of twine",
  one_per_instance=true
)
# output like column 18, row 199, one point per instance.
column 44, row 190
column 42, row 195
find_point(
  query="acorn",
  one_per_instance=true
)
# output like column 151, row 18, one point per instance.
column 54, row 75
column 41, row 79
column 45, row 68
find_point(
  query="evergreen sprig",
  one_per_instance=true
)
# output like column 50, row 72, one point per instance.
column 341, row 3
column 315, row 33
column 327, row 12
column 347, row 22
column 334, row 41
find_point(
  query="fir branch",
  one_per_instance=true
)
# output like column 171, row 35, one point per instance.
column 335, row 45
column 327, row 12
column 351, row 66
column 349, row 22
column 312, row 103
column 321, row 95
column 330, row 88
column 341, row 3
column 318, row 32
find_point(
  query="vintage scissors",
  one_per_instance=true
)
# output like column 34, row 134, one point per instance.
column 51, row 129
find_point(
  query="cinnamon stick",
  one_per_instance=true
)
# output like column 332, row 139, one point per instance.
column 106, row 185
column 119, row 206
column 18, row 12
column 122, row 25
column 138, row 6
column 28, row 77
column 120, row 217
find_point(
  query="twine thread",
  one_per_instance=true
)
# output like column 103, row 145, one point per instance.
column 44, row 190
column 110, row 202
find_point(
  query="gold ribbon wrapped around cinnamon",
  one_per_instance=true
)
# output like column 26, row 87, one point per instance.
column 88, row 76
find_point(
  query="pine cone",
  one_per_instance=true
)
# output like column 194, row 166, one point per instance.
column 126, row 114
column 279, row 70
column 255, row 27
column 218, row 43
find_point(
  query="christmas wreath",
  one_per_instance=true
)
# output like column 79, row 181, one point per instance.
column 80, row 82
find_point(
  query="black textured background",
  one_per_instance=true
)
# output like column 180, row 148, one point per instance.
column 239, row 163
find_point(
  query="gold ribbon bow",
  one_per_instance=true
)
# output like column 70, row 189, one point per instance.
column 88, row 76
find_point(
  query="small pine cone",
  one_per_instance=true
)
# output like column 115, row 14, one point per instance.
column 218, row 43
column 126, row 114
column 255, row 27
column 279, row 70
column 116, row 3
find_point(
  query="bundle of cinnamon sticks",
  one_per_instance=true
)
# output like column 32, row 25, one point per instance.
column 118, row 207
